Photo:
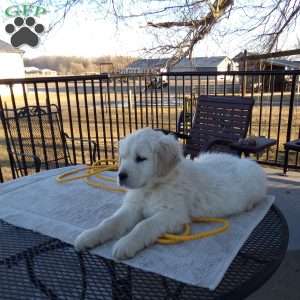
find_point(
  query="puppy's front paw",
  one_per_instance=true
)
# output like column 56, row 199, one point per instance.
column 124, row 249
column 87, row 239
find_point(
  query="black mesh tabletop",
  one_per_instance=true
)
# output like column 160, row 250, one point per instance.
column 34, row 266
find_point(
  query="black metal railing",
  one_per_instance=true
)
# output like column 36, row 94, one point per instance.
column 105, row 109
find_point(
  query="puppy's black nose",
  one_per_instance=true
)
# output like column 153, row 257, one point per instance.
column 122, row 176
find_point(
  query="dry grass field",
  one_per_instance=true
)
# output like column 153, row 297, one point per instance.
column 110, row 119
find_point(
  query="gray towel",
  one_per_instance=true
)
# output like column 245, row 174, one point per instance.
column 64, row 210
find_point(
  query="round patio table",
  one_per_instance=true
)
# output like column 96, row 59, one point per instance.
column 35, row 266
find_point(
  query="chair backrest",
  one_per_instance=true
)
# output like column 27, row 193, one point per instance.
column 218, row 117
column 36, row 130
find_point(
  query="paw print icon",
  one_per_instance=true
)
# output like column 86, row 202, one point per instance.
column 24, row 31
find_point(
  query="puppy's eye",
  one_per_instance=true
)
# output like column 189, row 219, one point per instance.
column 139, row 159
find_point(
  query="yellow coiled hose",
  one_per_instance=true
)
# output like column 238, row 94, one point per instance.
column 110, row 165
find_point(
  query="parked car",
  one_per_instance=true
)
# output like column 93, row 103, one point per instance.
column 157, row 82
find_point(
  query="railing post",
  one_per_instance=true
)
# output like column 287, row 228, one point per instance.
column 291, row 109
column 1, row 176
column 11, row 160
column 244, row 78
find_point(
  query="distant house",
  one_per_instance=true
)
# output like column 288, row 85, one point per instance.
column 277, row 64
column 283, row 64
column 145, row 66
column 251, row 64
column 32, row 71
column 11, row 66
column 196, row 64
column 36, row 72
column 206, row 64
column 48, row 72
column 274, row 63
column 265, row 64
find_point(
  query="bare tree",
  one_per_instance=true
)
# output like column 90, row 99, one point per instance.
column 179, row 25
column 196, row 20
column 266, row 21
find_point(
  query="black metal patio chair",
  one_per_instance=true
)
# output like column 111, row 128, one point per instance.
column 218, row 122
column 36, row 139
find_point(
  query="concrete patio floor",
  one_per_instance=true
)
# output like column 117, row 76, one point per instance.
column 285, row 283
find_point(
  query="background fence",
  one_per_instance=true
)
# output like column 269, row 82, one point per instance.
column 106, row 109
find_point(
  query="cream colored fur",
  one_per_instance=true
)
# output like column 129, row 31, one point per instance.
column 165, row 190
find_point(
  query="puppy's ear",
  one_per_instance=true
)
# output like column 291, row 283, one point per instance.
column 169, row 153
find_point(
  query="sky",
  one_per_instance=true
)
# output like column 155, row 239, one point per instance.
column 85, row 33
